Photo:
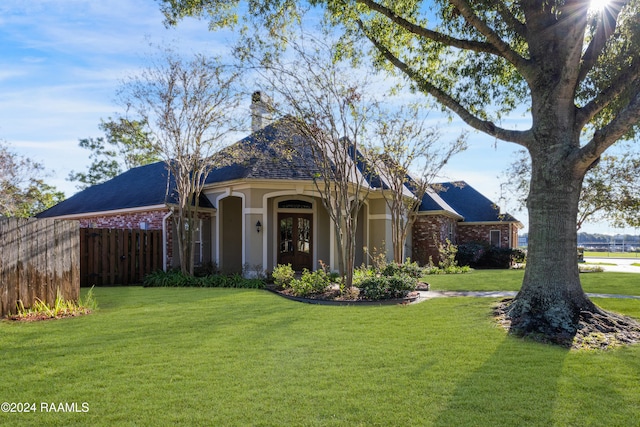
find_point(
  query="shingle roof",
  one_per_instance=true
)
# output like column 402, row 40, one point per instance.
column 465, row 201
column 255, row 156
column 276, row 152
column 138, row 187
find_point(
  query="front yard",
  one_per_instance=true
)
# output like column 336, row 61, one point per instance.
column 163, row 356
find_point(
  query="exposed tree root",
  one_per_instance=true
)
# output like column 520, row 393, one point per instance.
column 596, row 330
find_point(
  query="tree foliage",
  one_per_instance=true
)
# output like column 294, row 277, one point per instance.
column 411, row 156
column 331, row 107
column 23, row 190
column 126, row 145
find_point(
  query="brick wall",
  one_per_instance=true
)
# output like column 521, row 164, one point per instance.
column 468, row 233
column 131, row 221
column 427, row 232
column 126, row 221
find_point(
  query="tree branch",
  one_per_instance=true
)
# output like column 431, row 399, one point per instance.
column 612, row 132
column 618, row 86
column 503, row 48
column 473, row 45
column 445, row 99
column 511, row 20
column 605, row 28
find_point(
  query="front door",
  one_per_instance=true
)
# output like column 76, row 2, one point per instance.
column 295, row 240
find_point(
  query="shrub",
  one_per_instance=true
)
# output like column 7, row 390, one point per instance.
column 408, row 268
column 283, row 275
column 310, row 283
column 453, row 269
column 470, row 253
column 361, row 273
column 175, row 278
column 480, row 255
column 206, row 269
column 386, row 287
column 447, row 253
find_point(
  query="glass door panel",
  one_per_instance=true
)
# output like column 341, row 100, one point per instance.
column 295, row 239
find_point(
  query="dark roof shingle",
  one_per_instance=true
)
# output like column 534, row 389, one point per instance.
column 276, row 152
column 466, row 201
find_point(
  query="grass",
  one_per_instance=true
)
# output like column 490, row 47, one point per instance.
column 612, row 254
column 511, row 280
column 235, row 357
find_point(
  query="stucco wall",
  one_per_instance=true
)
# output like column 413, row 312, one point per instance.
column 231, row 216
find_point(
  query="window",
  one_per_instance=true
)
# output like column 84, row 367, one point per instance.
column 294, row 204
column 494, row 238
column 197, row 240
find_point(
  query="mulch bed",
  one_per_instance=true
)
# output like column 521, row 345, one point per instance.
column 37, row 317
column 333, row 296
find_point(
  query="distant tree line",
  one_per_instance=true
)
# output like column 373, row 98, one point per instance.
column 584, row 238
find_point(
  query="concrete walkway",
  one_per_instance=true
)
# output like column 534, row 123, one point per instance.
column 620, row 265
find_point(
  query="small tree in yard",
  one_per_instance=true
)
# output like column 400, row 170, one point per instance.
column 188, row 107
column 330, row 107
column 411, row 157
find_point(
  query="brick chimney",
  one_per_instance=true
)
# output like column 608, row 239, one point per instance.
column 261, row 111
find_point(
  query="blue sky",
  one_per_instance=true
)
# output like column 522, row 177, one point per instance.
column 62, row 61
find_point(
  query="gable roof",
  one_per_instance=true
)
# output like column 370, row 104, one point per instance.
column 464, row 200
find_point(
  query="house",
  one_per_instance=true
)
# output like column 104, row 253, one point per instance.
column 263, row 209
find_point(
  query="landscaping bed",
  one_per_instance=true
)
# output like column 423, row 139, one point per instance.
column 333, row 296
column 60, row 309
column 392, row 283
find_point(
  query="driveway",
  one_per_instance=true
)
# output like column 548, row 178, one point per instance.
column 622, row 265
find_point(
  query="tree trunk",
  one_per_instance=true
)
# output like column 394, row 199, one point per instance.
column 551, row 298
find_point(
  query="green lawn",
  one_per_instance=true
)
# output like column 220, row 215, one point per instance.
column 511, row 280
column 613, row 254
column 225, row 357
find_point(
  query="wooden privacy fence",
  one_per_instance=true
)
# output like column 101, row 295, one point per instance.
column 118, row 257
column 38, row 259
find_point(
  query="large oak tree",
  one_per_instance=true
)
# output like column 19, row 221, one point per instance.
column 576, row 69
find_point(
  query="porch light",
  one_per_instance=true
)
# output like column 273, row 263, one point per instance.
column 258, row 226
